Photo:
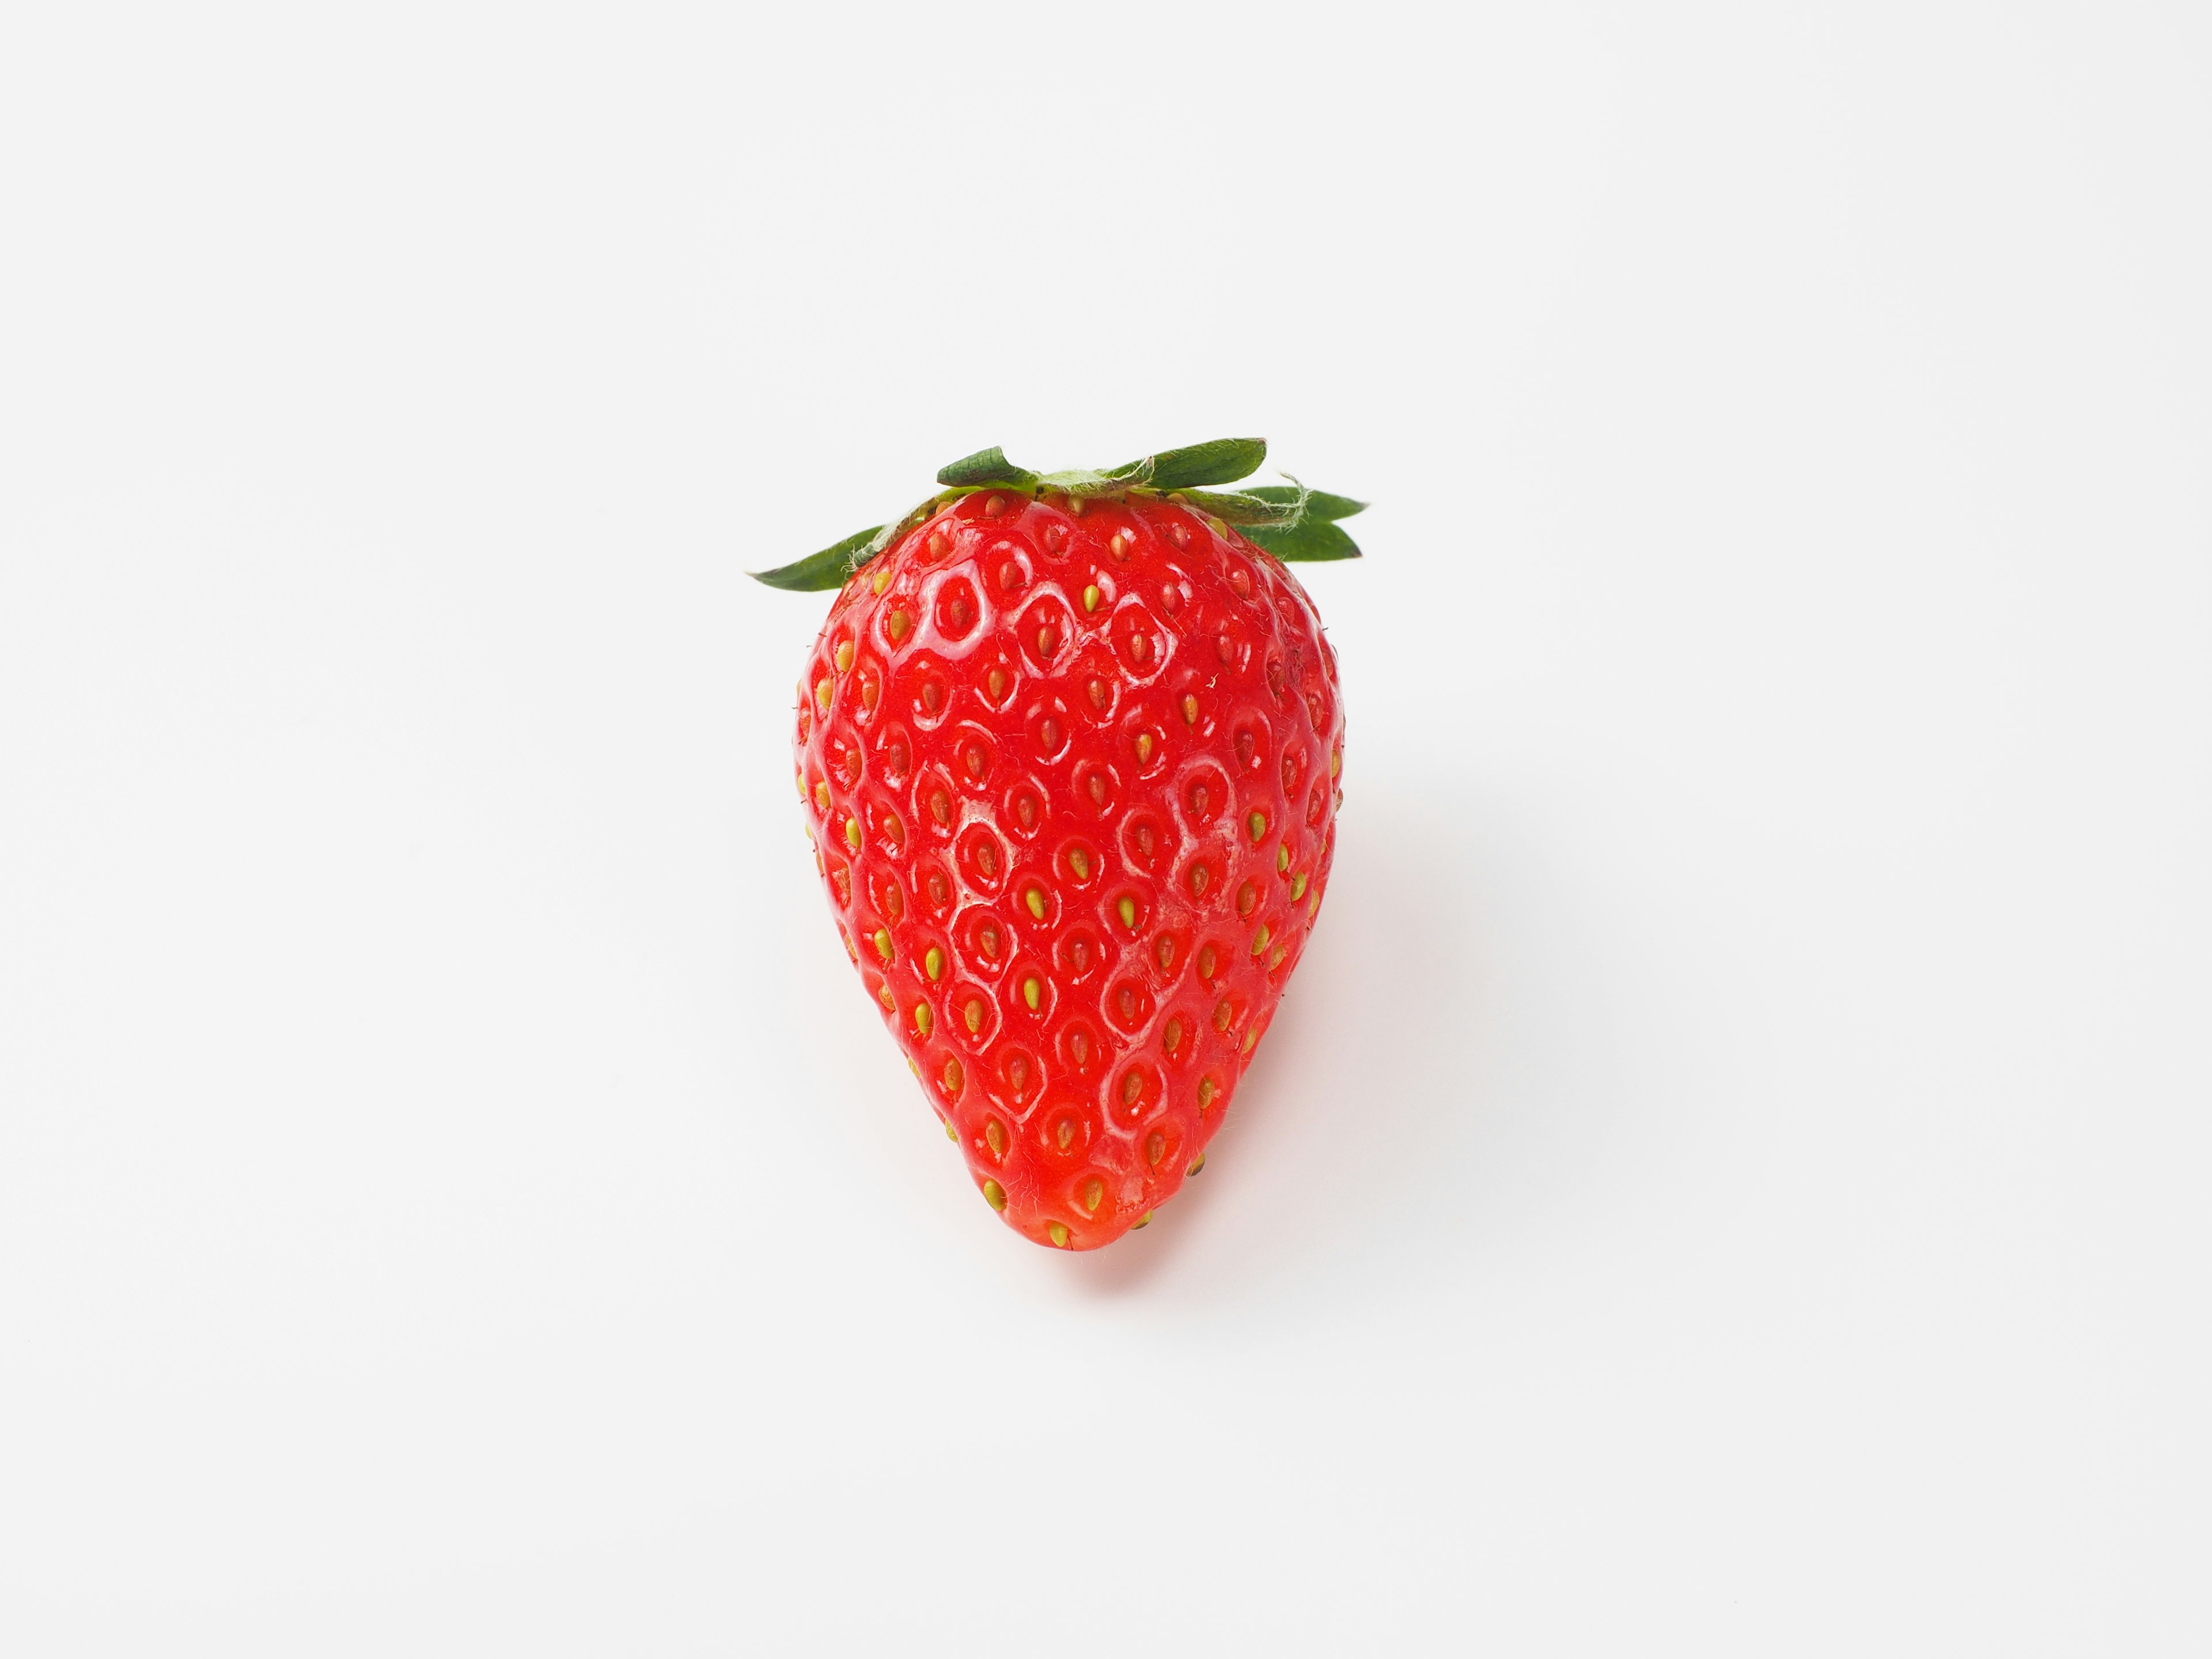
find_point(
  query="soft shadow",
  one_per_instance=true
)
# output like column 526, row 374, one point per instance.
column 1363, row 1069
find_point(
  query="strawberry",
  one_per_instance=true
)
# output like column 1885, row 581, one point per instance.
column 1069, row 747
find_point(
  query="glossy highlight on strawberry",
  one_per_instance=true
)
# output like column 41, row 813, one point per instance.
column 1069, row 759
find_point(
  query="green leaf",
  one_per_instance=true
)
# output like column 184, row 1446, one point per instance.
column 1240, row 508
column 1224, row 461
column 829, row 568
column 1319, row 505
column 1312, row 540
column 1082, row 482
column 985, row 466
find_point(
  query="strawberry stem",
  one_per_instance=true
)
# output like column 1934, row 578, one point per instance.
column 1290, row 521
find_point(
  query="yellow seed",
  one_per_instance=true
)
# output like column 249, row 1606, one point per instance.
column 953, row 1077
column 898, row 624
column 1128, row 908
column 1222, row 1013
column 1251, row 1037
column 1205, row 963
column 932, row 962
column 1260, row 942
column 1298, row 886
column 822, row 794
column 1059, row 1235
column 1218, row 526
column 1256, row 825
column 1090, row 597
column 939, row 544
column 883, row 942
column 1174, row 1039
column 1031, row 990
column 1065, row 1133
column 1143, row 1220
column 822, row 693
column 1206, row 1088
column 885, row 997
column 993, row 506
column 1035, row 899
column 1132, row 1086
column 994, row 1134
column 882, row 578
column 973, row 1013
column 1079, row 861
column 1189, row 710
column 1143, row 746
column 1197, row 879
column 852, row 834
column 994, row 1195
column 1275, row 957
column 1335, row 761
column 1282, row 858
column 844, row 655
column 1313, row 907
column 922, row 1018
column 1166, row 953
column 949, row 1134
column 1246, row 897
column 1094, row 1194
column 911, row 1066
column 1119, row 546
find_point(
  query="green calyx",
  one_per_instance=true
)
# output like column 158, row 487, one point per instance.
column 1288, row 520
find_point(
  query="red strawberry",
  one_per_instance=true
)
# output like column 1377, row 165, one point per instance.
column 1068, row 747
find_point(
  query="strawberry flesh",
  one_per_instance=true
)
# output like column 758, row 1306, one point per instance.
column 1072, row 781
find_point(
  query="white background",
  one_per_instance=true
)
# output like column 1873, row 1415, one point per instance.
column 1731, row 1175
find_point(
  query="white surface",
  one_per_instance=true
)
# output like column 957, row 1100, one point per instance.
column 1731, row 1175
